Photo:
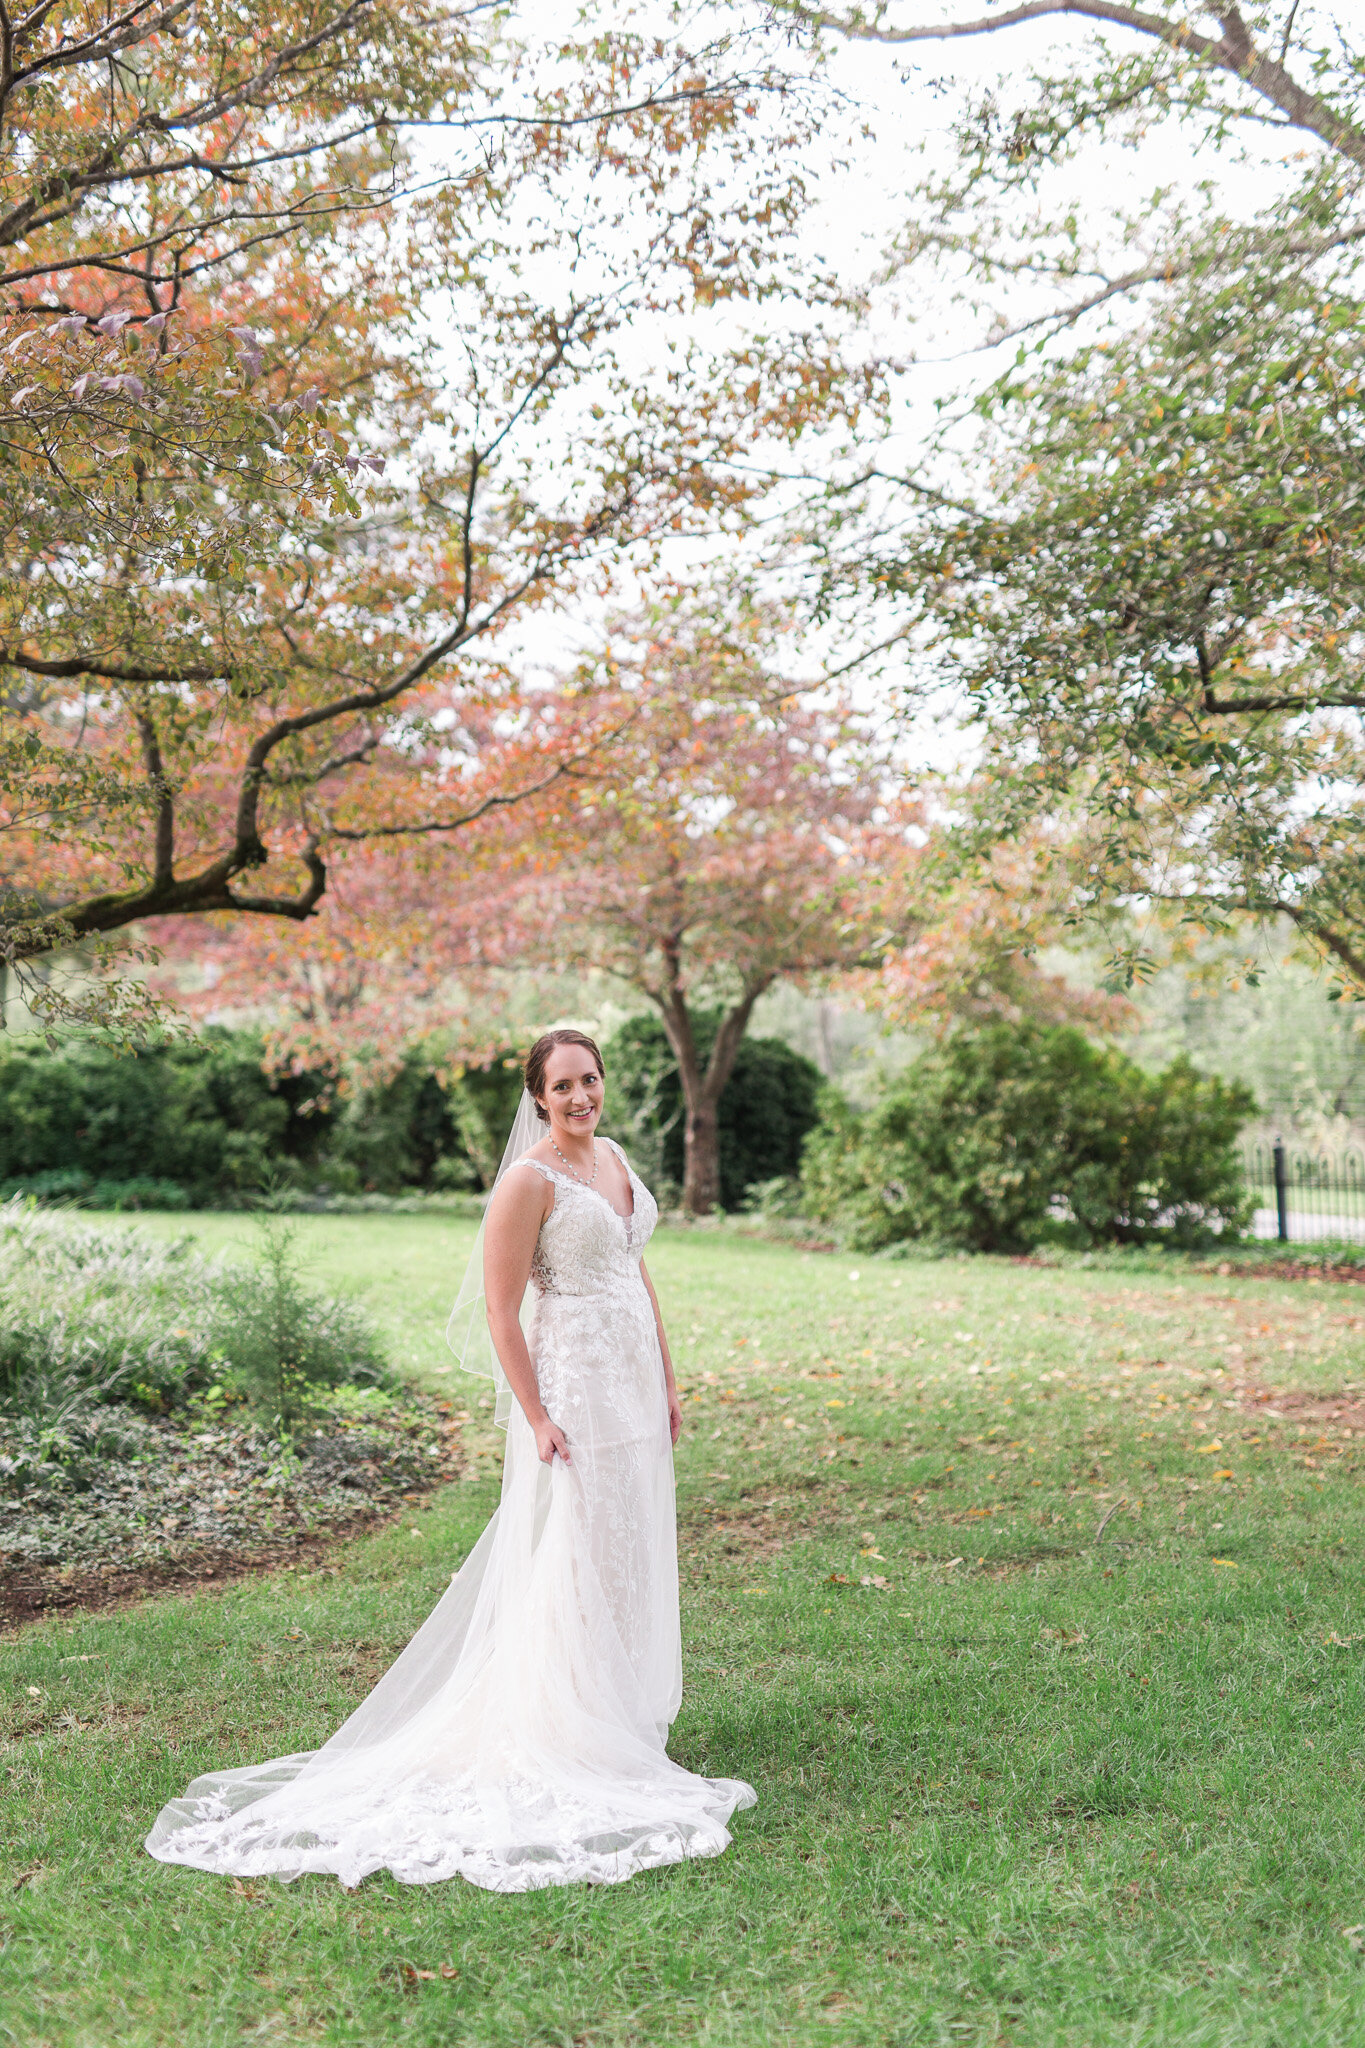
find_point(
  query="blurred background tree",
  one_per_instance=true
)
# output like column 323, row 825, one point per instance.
column 291, row 443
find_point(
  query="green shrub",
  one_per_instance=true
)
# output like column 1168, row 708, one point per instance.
column 765, row 1110
column 195, row 1122
column 198, row 1114
column 426, row 1126
column 279, row 1342
column 75, row 1187
column 999, row 1135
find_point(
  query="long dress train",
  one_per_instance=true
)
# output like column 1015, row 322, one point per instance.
column 518, row 1741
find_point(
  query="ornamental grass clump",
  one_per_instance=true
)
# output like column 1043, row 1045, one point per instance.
column 100, row 1326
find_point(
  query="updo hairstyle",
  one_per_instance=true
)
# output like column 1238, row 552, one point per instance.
column 537, row 1059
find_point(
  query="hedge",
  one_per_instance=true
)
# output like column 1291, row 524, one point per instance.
column 198, row 1121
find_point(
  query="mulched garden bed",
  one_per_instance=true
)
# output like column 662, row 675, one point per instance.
column 186, row 1504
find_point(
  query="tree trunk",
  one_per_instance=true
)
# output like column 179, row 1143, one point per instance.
column 702, row 1091
column 701, row 1159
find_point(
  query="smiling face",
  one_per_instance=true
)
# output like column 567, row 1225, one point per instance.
column 573, row 1092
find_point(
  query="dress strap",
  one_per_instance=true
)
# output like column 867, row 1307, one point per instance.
column 539, row 1166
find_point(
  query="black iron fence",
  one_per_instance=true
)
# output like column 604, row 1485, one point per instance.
column 1301, row 1194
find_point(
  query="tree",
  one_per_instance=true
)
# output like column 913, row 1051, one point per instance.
column 741, row 837
column 975, row 959
column 229, row 659
column 1165, row 622
column 1276, row 65
column 1143, row 565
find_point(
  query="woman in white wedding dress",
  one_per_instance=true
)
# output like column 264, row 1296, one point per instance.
column 518, row 1741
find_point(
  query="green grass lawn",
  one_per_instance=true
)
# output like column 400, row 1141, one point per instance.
column 1022, row 1779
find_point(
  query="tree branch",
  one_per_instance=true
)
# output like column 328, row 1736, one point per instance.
column 197, row 894
column 109, row 671
column 429, row 825
column 1227, row 706
column 1235, row 53
column 163, row 869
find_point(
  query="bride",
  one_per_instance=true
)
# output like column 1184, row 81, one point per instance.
column 518, row 1741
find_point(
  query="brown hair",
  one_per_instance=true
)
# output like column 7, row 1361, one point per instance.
column 538, row 1058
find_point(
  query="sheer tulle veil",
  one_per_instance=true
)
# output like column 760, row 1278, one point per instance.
column 467, row 1331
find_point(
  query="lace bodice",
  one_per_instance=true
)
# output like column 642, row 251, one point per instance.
column 585, row 1245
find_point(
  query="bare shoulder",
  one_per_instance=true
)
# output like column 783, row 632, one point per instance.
column 522, row 1196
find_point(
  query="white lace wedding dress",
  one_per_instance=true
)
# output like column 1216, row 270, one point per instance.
column 518, row 1741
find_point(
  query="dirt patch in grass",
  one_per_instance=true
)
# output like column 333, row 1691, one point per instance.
column 734, row 1532
column 30, row 1591
column 1346, row 1410
column 1275, row 1269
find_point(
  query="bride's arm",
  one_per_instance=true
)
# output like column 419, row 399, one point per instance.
column 515, row 1215
column 674, row 1404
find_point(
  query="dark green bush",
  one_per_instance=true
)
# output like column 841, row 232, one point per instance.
column 765, row 1111
column 999, row 1135
column 428, row 1126
column 200, row 1113
column 193, row 1122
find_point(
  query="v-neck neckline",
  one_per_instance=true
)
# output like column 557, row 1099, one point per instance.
column 574, row 1180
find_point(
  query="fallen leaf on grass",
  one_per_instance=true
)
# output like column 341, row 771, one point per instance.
column 951, row 1562
column 30, row 1875
column 1227, row 1561
column 882, row 1585
column 1225, row 1474
column 408, row 1975
column 1353, row 1935
column 1204, row 1450
column 252, row 1893
column 840, row 1579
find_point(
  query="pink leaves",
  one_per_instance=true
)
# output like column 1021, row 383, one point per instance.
column 113, row 323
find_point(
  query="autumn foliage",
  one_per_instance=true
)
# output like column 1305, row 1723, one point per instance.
column 291, row 443
column 739, row 835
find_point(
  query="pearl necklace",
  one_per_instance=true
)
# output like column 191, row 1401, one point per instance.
column 573, row 1169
